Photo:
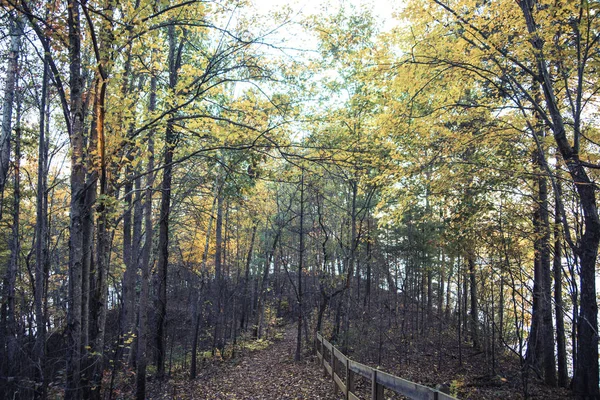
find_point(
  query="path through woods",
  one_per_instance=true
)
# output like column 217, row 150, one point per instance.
column 267, row 374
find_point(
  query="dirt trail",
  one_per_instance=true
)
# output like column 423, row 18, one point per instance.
column 268, row 374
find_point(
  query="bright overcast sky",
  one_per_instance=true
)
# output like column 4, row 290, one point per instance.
column 292, row 36
column 382, row 9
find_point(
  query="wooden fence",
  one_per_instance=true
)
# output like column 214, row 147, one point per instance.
column 343, row 370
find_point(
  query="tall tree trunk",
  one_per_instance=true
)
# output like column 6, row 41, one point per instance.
column 12, row 71
column 136, row 253
column 353, row 245
column 474, row 307
column 78, row 205
column 88, row 267
column 442, row 281
column 262, row 294
column 128, row 293
column 245, row 300
column 367, row 300
column 142, row 332
column 429, row 292
column 448, row 291
column 203, row 273
column 465, row 302
column 165, row 209
column 41, row 251
column 300, row 265
column 163, row 253
column 585, row 380
column 103, row 170
column 549, row 361
column 8, row 328
column 540, row 352
column 198, row 318
column 561, row 347
column 459, row 300
column 218, row 284
column 13, row 361
column 104, row 209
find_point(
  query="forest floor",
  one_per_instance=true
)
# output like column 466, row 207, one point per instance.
column 266, row 370
column 266, row 374
column 434, row 358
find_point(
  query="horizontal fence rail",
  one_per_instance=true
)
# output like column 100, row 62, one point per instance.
column 334, row 362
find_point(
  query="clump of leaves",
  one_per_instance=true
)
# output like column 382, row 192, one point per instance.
column 256, row 345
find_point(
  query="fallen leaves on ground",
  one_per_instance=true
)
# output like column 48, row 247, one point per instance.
column 267, row 374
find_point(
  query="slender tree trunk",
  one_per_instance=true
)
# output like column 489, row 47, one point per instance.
column 459, row 302
column 163, row 254
column 585, row 380
column 218, row 268
column 104, row 209
column 262, row 294
column 128, row 293
column 442, row 281
column 136, row 253
column 549, row 361
column 448, row 291
column 245, row 300
column 474, row 307
column 501, row 312
column 8, row 328
column 41, row 250
column 88, row 268
column 142, row 331
column 465, row 302
column 561, row 347
column 367, row 301
column 195, row 343
column 12, row 71
column 534, row 343
column 353, row 245
column 429, row 292
column 300, row 265
column 165, row 209
column 14, row 363
column 78, row 205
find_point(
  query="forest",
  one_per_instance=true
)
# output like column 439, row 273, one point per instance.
column 183, row 180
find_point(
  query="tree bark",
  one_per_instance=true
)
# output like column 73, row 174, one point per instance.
column 41, row 234
column 142, row 339
column 474, row 307
column 561, row 347
column 128, row 293
column 98, row 306
column 13, row 266
column 262, row 294
column 12, row 71
column 546, row 277
column 195, row 344
column 78, row 205
column 165, row 209
column 300, row 265
column 585, row 380
column 218, row 283
column 245, row 300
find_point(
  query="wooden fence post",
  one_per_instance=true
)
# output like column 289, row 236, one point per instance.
column 333, row 369
column 349, row 379
column 376, row 389
column 324, row 367
column 322, row 353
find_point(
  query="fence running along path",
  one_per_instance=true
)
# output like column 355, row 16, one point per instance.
column 334, row 361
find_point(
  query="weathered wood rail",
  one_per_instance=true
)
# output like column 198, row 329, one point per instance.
column 343, row 370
